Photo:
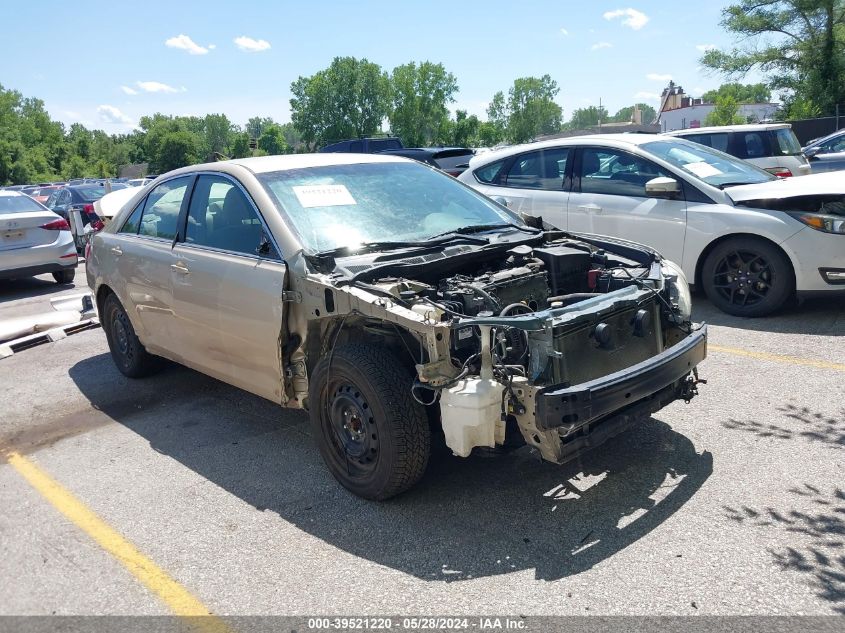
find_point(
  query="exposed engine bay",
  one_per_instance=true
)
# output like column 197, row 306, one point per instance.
column 513, row 344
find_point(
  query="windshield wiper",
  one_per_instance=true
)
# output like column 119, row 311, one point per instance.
column 437, row 240
column 479, row 228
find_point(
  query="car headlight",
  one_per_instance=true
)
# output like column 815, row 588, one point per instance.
column 679, row 294
column 821, row 222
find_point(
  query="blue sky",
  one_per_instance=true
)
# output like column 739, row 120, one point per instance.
column 106, row 64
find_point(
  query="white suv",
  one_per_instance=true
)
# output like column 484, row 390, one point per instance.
column 773, row 146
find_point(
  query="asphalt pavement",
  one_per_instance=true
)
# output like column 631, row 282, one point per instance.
column 732, row 504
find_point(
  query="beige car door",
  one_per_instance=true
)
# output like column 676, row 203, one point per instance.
column 228, row 280
column 139, row 253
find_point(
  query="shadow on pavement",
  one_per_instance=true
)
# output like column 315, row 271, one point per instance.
column 817, row 316
column 14, row 289
column 466, row 519
column 798, row 423
column 818, row 536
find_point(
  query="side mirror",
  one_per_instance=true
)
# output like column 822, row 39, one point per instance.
column 662, row 187
column 501, row 201
column 810, row 152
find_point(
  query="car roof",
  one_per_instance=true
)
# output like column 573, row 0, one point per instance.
column 265, row 164
column 11, row 193
column 749, row 127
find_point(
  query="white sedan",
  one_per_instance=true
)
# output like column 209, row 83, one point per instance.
column 751, row 240
column 34, row 240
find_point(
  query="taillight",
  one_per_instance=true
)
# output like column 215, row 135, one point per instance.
column 57, row 225
column 88, row 208
column 780, row 172
column 98, row 225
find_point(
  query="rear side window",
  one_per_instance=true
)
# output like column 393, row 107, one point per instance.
column 752, row 145
column 543, row 169
column 716, row 141
column 161, row 210
column 786, row 142
column 489, row 173
column 18, row 204
column 133, row 222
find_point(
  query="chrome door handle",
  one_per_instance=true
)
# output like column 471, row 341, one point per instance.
column 116, row 250
column 590, row 208
column 179, row 268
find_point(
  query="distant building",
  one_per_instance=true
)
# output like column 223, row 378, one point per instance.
column 679, row 111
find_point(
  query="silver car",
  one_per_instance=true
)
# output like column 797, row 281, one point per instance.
column 34, row 240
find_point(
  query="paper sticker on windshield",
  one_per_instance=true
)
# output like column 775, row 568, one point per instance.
column 323, row 195
column 702, row 169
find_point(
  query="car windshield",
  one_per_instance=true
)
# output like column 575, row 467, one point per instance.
column 708, row 165
column 18, row 204
column 347, row 205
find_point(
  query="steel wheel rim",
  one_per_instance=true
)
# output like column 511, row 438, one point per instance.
column 121, row 336
column 743, row 278
column 352, row 429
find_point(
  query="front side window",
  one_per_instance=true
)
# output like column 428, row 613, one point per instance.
column 543, row 169
column 615, row 172
column 133, row 222
column 220, row 216
column 833, row 145
column 160, row 217
column 337, row 206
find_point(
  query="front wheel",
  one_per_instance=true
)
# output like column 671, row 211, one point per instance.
column 748, row 277
column 373, row 436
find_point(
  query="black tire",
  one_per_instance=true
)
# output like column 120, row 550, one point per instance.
column 127, row 351
column 748, row 277
column 64, row 276
column 373, row 436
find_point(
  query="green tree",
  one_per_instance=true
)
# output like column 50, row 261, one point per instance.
column 272, row 141
column 798, row 44
column 418, row 113
column 583, row 118
column 742, row 93
column 240, row 146
column 624, row 115
column 726, row 112
column 350, row 98
column 465, row 130
column 530, row 110
column 256, row 125
column 175, row 149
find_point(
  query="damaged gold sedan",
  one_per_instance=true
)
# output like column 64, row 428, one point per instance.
column 398, row 306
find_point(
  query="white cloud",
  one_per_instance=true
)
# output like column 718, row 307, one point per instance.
column 128, row 90
column 600, row 45
column 110, row 114
column 185, row 43
column 211, row 47
column 658, row 77
column 564, row 31
column 157, row 86
column 705, row 47
column 633, row 18
column 251, row 45
column 647, row 96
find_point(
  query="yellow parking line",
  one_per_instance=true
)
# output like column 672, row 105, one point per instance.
column 778, row 358
column 178, row 599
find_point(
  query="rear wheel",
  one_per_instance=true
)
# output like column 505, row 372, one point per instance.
column 747, row 276
column 127, row 351
column 64, row 276
column 373, row 436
